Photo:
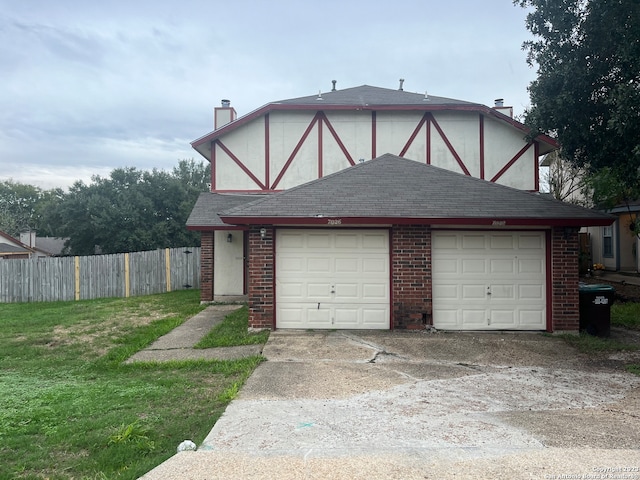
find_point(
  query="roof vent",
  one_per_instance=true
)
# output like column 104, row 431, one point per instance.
column 401, row 82
column 426, row 97
column 499, row 102
column 333, row 89
column 319, row 95
column 225, row 103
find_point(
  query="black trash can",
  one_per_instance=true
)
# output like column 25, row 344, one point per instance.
column 595, row 308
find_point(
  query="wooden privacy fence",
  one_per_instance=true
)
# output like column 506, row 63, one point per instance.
column 99, row 276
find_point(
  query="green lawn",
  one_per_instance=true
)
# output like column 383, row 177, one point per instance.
column 69, row 408
column 233, row 331
column 626, row 315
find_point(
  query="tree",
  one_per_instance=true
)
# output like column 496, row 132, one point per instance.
column 22, row 208
column 587, row 92
column 132, row 210
column 566, row 181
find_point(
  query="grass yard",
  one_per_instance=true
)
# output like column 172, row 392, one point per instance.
column 233, row 331
column 69, row 408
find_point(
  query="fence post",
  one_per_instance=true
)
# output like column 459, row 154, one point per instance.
column 127, row 279
column 77, row 275
column 167, row 267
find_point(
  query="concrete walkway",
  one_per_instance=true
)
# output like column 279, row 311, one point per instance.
column 178, row 344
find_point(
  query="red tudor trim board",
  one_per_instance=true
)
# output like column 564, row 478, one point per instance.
column 411, row 277
column 321, row 121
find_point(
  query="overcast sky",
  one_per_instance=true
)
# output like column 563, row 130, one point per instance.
column 89, row 86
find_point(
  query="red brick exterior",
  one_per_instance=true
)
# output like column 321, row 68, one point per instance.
column 411, row 279
column 565, row 310
column 206, row 267
column 411, row 276
column 261, row 277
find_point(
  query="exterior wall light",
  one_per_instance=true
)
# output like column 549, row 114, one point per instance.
column 263, row 233
column 229, row 238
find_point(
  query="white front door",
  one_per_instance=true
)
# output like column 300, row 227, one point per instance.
column 489, row 280
column 332, row 278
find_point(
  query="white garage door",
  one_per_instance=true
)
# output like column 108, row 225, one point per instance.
column 489, row 281
column 332, row 279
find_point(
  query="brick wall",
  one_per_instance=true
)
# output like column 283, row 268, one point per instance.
column 261, row 276
column 206, row 267
column 564, row 279
column 411, row 276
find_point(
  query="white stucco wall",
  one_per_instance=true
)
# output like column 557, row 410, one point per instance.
column 354, row 129
column 228, row 263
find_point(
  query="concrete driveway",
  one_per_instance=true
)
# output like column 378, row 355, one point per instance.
column 424, row 405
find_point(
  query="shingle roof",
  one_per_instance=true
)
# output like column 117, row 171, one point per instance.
column 391, row 189
column 205, row 211
column 6, row 248
column 367, row 95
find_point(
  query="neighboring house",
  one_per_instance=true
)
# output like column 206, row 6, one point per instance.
column 10, row 248
column 43, row 246
column 616, row 246
column 378, row 208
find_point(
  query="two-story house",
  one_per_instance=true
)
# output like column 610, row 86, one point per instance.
column 377, row 208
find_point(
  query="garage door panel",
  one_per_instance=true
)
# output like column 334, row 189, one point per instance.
column 347, row 241
column 445, row 242
column 291, row 240
column 501, row 266
column 445, row 292
column 375, row 292
column 472, row 241
column 532, row 319
column 474, row 318
column 291, row 264
column 473, row 266
column 347, row 292
column 534, row 266
column 473, row 292
column 530, row 292
column 318, row 265
column 318, row 240
column 377, row 318
column 375, row 241
column 533, row 242
column 342, row 282
column 318, row 291
column 501, row 242
column 502, row 292
column 375, row 265
column 292, row 290
column 347, row 265
column 502, row 318
column 446, row 266
column 510, row 293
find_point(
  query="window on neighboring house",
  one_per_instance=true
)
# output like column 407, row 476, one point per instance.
column 607, row 241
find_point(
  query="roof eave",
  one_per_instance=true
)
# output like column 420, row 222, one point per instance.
column 481, row 222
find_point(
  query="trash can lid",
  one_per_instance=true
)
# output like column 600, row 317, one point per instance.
column 597, row 287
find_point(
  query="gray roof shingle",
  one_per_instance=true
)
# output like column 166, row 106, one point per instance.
column 392, row 189
column 205, row 211
column 367, row 95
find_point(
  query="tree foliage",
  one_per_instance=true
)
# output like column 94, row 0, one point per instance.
column 24, row 208
column 587, row 92
column 130, row 210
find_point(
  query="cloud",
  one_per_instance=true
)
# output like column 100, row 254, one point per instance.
column 93, row 85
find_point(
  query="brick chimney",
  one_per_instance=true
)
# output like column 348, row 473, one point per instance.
column 223, row 114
